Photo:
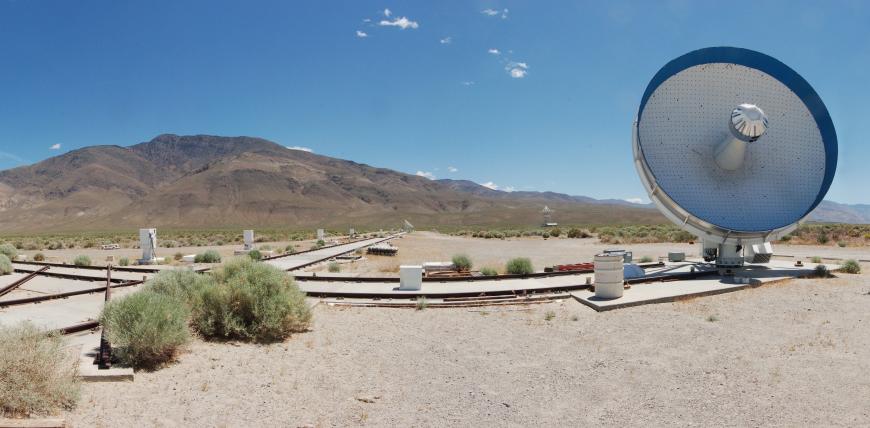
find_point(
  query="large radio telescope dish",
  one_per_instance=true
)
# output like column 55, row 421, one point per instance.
column 733, row 145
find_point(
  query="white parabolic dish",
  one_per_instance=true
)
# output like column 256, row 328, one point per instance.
column 685, row 114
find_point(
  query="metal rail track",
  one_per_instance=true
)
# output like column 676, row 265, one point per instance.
column 115, row 268
column 9, row 288
column 71, row 275
column 39, row 299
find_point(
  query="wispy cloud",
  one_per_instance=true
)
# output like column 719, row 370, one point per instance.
column 361, row 34
column 301, row 149
column 467, row 83
column 635, row 200
column 55, row 146
column 517, row 70
column 446, row 41
column 387, row 12
column 425, row 174
column 452, row 169
column 403, row 23
column 509, row 189
column 7, row 157
column 494, row 51
column 490, row 185
column 492, row 12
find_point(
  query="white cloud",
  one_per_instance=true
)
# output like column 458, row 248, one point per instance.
column 425, row 174
column 367, row 20
column 403, row 23
column 467, row 83
column 452, row 169
column 493, row 12
column 446, row 41
column 55, row 146
column 493, row 51
column 490, row 185
column 509, row 189
column 387, row 12
column 361, row 34
column 301, row 149
column 517, row 70
column 635, row 200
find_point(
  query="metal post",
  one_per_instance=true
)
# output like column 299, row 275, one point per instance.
column 105, row 358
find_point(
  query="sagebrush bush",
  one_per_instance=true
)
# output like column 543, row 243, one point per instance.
column 82, row 261
column 816, row 259
column 462, row 262
column 251, row 301
column 39, row 257
column 555, row 232
column 290, row 249
column 183, row 285
column 124, row 261
column 208, row 256
column 37, row 375
column 519, row 266
column 5, row 265
column 850, row 266
column 488, row 271
column 821, row 271
column 255, row 255
column 334, row 267
column 646, row 259
column 9, row 251
column 146, row 328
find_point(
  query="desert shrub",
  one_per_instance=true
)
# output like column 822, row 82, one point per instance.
column 125, row 261
column 850, row 266
column 549, row 315
column 290, row 249
column 82, row 261
column 255, row 255
column 545, row 235
column 177, row 256
column 823, row 238
column 646, row 259
column 816, row 259
column 39, row 257
column 320, row 243
column 146, row 328
column 421, row 304
column 821, row 271
column 519, row 266
column 488, row 271
column 251, row 301
column 555, row 232
column 182, row 285
column 334, row 267
column 30, row 246
column 9, row 251
column 265, row 248
column 841, row 244
column 785, row 238
column 37, row 375
column 208, row 256
column 5, row 265
column 462, row 262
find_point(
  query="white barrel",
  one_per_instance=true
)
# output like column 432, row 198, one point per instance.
column 608, row 276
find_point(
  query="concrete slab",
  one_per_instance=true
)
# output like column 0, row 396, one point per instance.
column 662, row 292
column 87, row 346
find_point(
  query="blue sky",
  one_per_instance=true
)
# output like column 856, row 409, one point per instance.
column 426, row 91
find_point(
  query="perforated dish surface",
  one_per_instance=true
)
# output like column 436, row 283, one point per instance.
column 687, row 116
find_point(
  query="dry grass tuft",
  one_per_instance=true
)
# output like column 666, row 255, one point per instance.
column 37, row 375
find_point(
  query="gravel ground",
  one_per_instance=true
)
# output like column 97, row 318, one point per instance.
column 795, row 353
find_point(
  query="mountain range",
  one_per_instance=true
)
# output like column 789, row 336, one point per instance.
column 203, row 181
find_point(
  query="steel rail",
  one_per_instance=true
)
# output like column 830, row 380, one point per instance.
column 9, row 288
column 38, row 299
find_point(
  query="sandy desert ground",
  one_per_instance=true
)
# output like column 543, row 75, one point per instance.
column 792, row 354
column 422, row 246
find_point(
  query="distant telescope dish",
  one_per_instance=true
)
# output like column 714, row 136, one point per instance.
column 735, row 147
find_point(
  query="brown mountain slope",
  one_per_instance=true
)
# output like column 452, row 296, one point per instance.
column 205, row 181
